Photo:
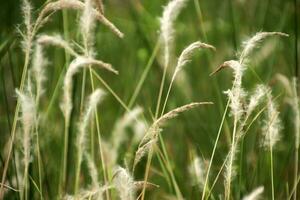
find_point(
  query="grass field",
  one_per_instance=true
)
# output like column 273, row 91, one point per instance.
column 157, row 99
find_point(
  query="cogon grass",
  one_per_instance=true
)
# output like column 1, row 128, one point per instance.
column 237, row 96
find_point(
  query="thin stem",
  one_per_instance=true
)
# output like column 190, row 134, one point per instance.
column 144, row 75
column 272, row 173
column 214, row 150
column 100, row 140
column 232, row 152
column 150, row 154
column 13, row 131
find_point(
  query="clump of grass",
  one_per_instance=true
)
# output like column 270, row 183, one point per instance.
column 237, row 96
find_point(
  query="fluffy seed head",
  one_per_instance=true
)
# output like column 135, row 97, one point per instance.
column 272, row 124
column 187, row 53
column 154, row 130
column 87, row 25
column 75, row 65
column 197, row 172
column 170, row 13
column 255, row 194
column 56, row 40
column 124, row 183
column 253, row 42
column 38, row 67
column 28, row 111
column 259, row 92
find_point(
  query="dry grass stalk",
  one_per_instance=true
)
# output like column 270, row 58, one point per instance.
column 58, row 41
column 154, row 130
column 76, row 5
column 124, row 184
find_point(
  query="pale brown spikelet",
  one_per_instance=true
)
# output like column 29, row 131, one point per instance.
column 255, row 194
column 151, row 135
column 58, row 41
column 124, row 184
column 100, row 6
column 90, row 193
column 254, row 41
column 76, row 5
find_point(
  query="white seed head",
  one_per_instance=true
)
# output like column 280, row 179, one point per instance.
column 87, row 25
column 75, row 65
column 58, row 41
column 272, row 124
column 255, row 194
column 197, row 172
column 170, row 13
column 254, row 41
column 186, row 54
column 124, row 184
column 236, row 94
column 259, row 92
column 27, row 17
column 154, row 130
column 28, row 116
column 38, row 67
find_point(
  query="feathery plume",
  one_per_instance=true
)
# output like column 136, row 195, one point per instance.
column 183, row 59
column 27, row 16
column 120, row 127
column 38, row 67
column 154, row 130
column 76, row 5
column 92, row 103
column 77, row 63
column 87, row 26
column 253, row 42
column 185, row 55
column 92, row 170
column 197, row 172
column 28, row 119
column 56, row 40
column 255, row 194
column 259, row 92
column 272, row 125
column 124, row 183
column 170, row 13
column 236, row 94
column 94, row 99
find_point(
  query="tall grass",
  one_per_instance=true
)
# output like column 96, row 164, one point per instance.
column 72, row 143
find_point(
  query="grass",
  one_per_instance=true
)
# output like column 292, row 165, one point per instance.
column 175, row 122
